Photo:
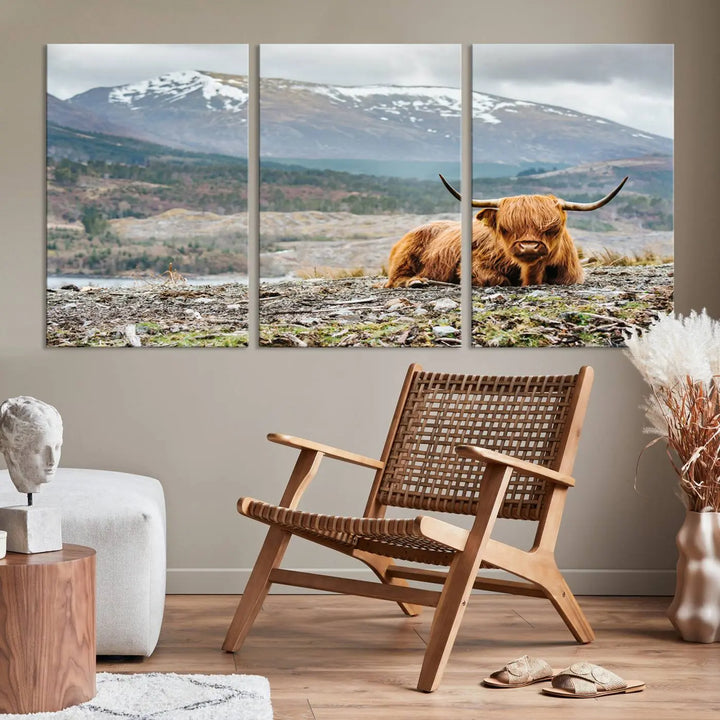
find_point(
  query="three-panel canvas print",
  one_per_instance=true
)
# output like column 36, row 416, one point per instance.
column 359, row 240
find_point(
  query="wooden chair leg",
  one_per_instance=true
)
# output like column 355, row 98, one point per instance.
column 445, row 625
column 461, row 577
column 560, row 595
column 257, row 588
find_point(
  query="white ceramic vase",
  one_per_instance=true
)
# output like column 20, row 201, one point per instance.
column 695, row 609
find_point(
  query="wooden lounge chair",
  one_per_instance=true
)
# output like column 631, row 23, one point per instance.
column 481, row 446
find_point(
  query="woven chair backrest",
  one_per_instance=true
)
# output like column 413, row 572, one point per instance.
column 527, row 417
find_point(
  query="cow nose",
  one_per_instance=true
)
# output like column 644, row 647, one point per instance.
column 529, row 246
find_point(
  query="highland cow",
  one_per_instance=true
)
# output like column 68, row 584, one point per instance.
column 521, row 240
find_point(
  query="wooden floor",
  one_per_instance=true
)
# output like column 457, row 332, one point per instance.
column 338, row 658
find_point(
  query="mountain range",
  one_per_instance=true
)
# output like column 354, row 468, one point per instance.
column 206, row 112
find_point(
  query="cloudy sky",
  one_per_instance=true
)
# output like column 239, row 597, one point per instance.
column 631, row 84
column 364, row 64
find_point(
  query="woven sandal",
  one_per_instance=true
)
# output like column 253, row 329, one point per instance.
column 519, row 673
column 585, row 680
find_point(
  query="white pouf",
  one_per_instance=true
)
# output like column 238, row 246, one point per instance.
column 121, row 516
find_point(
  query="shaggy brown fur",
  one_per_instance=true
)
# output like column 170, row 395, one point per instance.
column 523, row 242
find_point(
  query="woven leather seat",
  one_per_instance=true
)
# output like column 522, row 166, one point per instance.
column 473, row 445
column 401, row 539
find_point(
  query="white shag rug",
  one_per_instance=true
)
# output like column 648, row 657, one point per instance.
column 167, row 696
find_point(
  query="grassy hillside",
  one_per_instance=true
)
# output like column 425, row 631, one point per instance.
column 412, row 169
column 95, row 180
column 82, row 146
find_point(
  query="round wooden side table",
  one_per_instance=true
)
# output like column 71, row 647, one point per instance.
column 47, row 630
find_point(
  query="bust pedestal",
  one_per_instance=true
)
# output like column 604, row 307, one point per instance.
column 31, row 529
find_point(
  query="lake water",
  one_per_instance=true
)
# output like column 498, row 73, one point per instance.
column 56, row 281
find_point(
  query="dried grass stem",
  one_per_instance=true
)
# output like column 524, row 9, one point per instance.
column 692, row 413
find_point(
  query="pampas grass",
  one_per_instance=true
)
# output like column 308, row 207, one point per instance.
column 679, row 357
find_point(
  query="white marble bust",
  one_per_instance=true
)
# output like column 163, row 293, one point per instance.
column 31, row 434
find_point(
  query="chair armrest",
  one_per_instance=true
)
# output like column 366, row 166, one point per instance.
column 302, row 444
column 526, row 468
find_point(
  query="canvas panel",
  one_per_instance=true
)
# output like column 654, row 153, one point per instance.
column 147, row 195
column 352, row 138
column 572, row 121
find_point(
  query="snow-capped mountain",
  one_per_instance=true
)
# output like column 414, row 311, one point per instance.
column 208, row 91
column 192, row 110
column 207, row 112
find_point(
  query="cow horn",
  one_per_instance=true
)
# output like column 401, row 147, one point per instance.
column 475, row 203
column 594, row 205
column 494, row 203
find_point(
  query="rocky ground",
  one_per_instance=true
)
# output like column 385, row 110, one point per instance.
column 356, row 312
column 359, row 312
column 155, row 315
column 611, row 301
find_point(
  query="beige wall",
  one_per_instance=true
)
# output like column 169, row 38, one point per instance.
column 196, row 419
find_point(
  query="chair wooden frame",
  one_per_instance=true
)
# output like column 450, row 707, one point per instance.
column 378, row 542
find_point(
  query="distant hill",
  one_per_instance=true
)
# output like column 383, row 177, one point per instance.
column 649, row 175
column 200, row 111
column 515, row 131
column 83, row 146
column 65, row 114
